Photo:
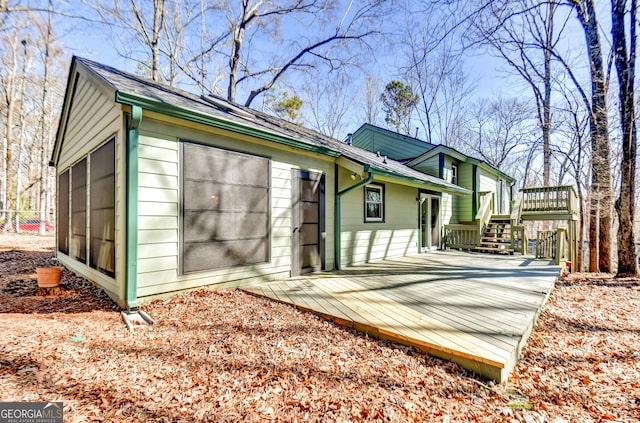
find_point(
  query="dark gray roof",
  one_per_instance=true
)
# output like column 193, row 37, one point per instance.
column 222, row 109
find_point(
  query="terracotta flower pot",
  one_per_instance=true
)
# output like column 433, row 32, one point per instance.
column 49, row 277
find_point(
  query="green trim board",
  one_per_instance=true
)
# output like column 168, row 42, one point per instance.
column 131, row 288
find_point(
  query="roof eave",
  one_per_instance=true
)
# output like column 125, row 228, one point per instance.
column 206, row 119
column 443, row 187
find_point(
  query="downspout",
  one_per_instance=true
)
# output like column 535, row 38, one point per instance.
column 338, row 231
column 131, row 288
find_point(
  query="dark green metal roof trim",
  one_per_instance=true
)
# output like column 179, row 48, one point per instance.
column 442, row 187
column 190, row 115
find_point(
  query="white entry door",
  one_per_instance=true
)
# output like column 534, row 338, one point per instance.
column 430, row 228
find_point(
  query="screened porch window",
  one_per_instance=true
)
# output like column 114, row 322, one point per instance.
column 63, row 212
column 225, row 216
column 78, row 241
column 374, row 203
column 103, row 206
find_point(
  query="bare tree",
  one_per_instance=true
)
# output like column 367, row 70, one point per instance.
column 572, row 150
column 625, row 68
column 499, row 131
column 329, row 102
column 435, row 67
column 11, row 82
column 32, row 94
column 371, row 91
column 600, row 219
column 260, row 21
column 524, row 34
column 47, row 36
column 167, row 38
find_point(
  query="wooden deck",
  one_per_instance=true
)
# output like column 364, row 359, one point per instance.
column 474, row 309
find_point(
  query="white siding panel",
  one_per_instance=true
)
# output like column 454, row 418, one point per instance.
column 158, row 195
column 157, row 222
column 154, row 180
column 157, row 167
column 155, row 278
column 157, row 263
column 157, row 250
column 147, row 208
column 283, row 220
column 155, row 153
column 280, row 241
column 487, row 181
column 155, row 236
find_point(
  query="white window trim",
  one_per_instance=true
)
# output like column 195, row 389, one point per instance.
column 454, row 173
column 380, row 188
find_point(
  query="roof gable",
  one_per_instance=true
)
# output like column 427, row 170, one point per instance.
column 461, row 157
column 411, row 151
column 388, row 143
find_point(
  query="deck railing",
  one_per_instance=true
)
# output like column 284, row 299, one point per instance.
column 483, row 217
column 459, row 235
column 519, row 240
column 557, row 200
column 552, row 244
column 467, row 236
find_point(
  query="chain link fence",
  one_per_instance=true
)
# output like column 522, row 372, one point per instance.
column 26, row 221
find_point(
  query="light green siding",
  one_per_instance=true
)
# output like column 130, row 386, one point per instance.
column 430, row 166
column 159, row 196
column 465, row 203
column 92, row 119
column 397, row 236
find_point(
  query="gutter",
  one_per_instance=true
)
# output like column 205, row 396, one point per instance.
column 131, row 280
column 338, row 225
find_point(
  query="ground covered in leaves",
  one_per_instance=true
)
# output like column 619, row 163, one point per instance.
column 228, row 356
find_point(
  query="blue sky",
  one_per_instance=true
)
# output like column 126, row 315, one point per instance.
column 491, row 76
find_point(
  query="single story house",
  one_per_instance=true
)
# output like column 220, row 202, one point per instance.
column 161, row 190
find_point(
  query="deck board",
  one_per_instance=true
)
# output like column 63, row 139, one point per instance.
column 474, row 309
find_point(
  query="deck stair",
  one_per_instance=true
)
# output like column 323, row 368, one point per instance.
column 496, row 237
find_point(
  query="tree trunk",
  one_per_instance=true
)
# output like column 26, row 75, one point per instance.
column 625, row 67
column 236, row 49
column 158, row 18
column 546, row 113
column 601, row 195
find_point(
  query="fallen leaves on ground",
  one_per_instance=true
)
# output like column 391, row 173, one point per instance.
column 227, row 356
